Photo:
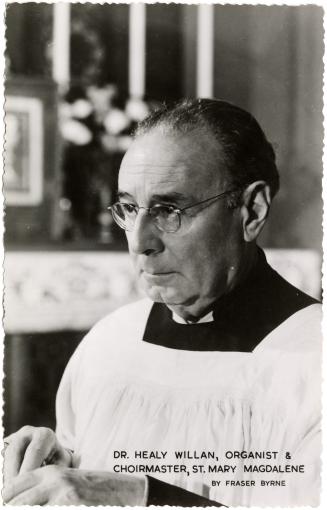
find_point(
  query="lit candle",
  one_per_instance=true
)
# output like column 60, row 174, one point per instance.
column 205, row 48
column 137, row 50
column 61, row 43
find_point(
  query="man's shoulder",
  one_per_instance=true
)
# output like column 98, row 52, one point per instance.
column 305, row 327
column 122, row 321
column 114, row 332
column 299, row 333
column 137, row 310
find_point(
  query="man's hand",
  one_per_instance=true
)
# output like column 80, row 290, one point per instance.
column 54, row 485
column 30, row 448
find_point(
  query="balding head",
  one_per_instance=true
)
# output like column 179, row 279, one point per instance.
column 246, row 153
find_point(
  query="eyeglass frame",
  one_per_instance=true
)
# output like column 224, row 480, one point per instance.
column 176, row 210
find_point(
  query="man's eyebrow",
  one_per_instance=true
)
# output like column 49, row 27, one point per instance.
column 123, row 194
column 173, row 196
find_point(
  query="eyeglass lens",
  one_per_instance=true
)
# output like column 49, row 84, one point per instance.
column 165, row 218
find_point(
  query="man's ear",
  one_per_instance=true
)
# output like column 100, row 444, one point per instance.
column 255, row 209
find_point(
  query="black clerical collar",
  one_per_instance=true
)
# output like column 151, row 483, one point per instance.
column 207, row 318
column 242, row 318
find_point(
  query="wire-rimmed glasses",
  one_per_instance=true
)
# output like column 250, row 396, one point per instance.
column 166, row 218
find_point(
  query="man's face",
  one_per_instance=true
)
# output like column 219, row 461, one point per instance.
column 193, row 266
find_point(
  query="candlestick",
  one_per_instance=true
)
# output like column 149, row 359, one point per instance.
column 137, row 16
column 61, row 44
column 205, row 49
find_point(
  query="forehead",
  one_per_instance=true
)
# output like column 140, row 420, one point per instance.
column 181, row 162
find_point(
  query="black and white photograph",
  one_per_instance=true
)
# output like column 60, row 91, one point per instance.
column 162, row 274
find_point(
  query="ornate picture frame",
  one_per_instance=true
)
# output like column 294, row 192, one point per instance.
column 23, row 176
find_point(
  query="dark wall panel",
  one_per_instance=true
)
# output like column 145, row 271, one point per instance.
column 164, row 68
column 268, row 59
column 30, row 22
column 33, row 367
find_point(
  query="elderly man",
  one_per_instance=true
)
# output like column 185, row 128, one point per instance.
column 207, row 393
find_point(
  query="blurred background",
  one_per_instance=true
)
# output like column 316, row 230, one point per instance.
column 79, row 77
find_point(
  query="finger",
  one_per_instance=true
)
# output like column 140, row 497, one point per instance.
column 5, row 446
column 13, row 457
column 7, row 438
column 17, row 485
column 41, row 447
column 26, row 431
column 34, row 496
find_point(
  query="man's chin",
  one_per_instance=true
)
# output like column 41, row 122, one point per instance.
column 167, row 296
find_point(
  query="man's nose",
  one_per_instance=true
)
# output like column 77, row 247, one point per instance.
column 145, row 237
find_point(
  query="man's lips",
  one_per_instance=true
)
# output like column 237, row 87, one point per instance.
column 156, row 274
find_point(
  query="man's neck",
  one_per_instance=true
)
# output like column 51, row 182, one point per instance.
column 238, row 273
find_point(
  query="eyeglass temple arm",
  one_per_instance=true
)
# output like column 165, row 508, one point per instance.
column 208, row 199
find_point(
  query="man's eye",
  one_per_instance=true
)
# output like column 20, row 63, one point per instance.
column 164, row 210
column 129, row 208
